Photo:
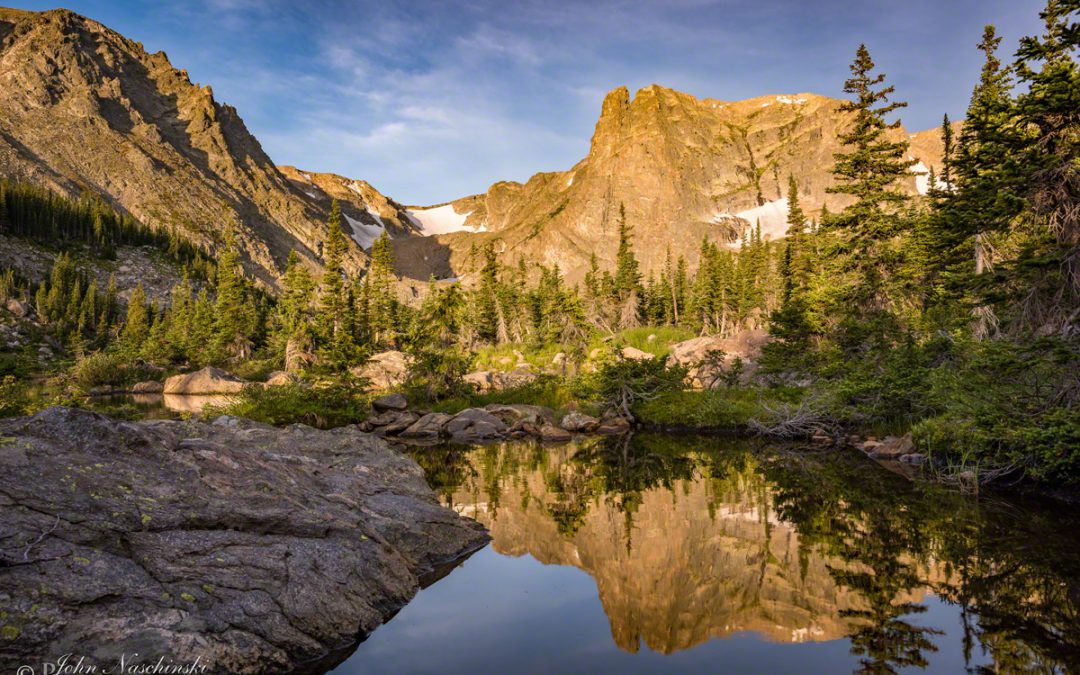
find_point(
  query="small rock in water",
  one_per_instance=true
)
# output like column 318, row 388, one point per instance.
column 579, row 422
column 390, row 402
column 428, row 427
column 913, row 458
column 554, row 434
column 893, row 447
column 613, row 426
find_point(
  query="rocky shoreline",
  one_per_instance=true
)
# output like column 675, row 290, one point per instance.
column 393, row 419
column 250, row 548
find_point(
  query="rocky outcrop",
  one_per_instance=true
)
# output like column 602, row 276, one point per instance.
column 280, row 378
column 684, row 168
column 396, row 402
column 209, row 380
column 250, row 548
column 579, row 422
column 707, row 358
column 891, row 447
column 385, row 370
column 429, row 427
column 85, row 108
column 498, row 380
column 149, row 387
column 635, row 354
column 485, row 425
column 475, row 425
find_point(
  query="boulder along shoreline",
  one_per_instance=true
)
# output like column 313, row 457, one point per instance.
column 251, row 548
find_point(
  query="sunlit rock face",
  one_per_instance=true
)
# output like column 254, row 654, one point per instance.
column 674, row 566
column 682, row 169
column 85, row 108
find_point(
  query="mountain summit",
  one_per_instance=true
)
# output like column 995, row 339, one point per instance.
column 85, row 109
column 683, row 168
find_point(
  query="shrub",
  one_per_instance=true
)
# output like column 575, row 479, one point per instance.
column 325, row 406
column 110, row 369
column 1000, row 403
column 546, row 390
column 100, row 369
column 13, row 396
column 620, row 383
column 437, row 374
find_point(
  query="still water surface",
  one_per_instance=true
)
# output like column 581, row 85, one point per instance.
column 662, row 555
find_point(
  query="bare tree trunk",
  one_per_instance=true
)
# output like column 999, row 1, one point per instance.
column 985, row 320
column 674, row 302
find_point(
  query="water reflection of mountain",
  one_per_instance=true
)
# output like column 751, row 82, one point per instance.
column 687, row 561
column 686, row 545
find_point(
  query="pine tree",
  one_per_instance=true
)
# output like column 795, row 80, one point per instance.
column 336, row 344
column 137, row 323
column 382, row 301
column 628, row 287
column 234, row 313
column 868, row 169
column 948, row 151
column 292, row 336
column 486, row 297
column 1049, row 113
column 792, row 268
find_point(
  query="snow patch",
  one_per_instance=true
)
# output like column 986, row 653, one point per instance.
column 365, row 235
column 355, row 188
column 375, row 216
column 442, row 220
column 787, row 100
column 570, row 181
column 772, row 216
column 922, row 178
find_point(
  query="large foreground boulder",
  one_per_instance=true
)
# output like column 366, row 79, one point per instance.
column 209, row 380
column 248, row 548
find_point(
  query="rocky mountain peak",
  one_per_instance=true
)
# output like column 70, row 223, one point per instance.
column 86, row 109
column 683, row 169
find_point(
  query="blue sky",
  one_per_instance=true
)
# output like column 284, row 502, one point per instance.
column 430, row 101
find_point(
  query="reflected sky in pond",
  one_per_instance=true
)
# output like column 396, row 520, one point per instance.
column 679, row 555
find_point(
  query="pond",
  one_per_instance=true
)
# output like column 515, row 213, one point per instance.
column 661, row 554
column 156, row 406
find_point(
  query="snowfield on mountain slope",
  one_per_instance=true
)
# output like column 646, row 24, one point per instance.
column 441, row 220
column 772, row 216
column 364, row 234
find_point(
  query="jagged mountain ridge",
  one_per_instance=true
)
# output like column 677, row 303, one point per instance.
column 684, row 168
column 86, row 109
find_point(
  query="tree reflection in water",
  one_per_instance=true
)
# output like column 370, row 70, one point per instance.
column 811, row 541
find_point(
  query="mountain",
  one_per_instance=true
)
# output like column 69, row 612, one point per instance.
column 85, row 109
column 683, row 168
